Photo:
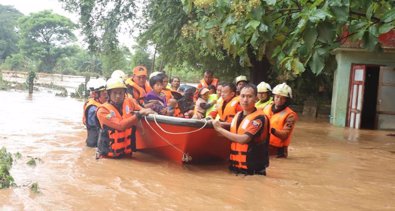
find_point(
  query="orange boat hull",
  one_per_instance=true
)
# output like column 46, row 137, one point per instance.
column 195, row 139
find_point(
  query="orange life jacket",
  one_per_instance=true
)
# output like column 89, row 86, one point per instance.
column 92, row 130
column 167, row 93
column 227, row 114
column 177, row 112
column 253, row 155
column 203, row 83
column 90, row 102
column 277, row 121
column 114, row 143
column 137, row 91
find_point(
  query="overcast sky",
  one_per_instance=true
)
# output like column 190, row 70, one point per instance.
column 31, row 6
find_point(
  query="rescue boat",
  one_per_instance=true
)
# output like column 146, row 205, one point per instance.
column 180, row 139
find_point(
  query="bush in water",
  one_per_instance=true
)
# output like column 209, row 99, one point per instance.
column 6, row 180
column 34, row 188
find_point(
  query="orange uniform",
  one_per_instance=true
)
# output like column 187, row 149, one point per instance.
column 227, row 110
column 90, row 102
column 281, row 121
column 117, row 134
column 137, row 91
column 92, row 130
column 252, row 157
column 203, row 83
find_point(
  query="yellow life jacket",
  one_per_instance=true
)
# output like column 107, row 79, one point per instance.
column 262, row 105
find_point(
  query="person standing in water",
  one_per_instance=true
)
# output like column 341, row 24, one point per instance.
column 249, row 136
column 116, row 118
column 98, row 97
column 282, row 120
column 264, row 97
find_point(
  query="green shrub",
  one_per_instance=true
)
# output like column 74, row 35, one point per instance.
column 6, row 180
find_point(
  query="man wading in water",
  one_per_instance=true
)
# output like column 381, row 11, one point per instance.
column 249, row 136
column 282, row 120
column 98, row 97
column 116, row 119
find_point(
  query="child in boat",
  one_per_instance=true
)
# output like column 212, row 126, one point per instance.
column 212, row 99
column 156, row 100
column 186, row 103
column 201, row 104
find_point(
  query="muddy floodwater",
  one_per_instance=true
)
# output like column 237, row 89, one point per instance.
column 329, row 168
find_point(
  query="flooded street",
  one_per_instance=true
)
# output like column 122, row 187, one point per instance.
column 328, row 168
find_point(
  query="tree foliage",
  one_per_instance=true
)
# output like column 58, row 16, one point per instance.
column 46, row 36
column 80, row 62
column 101, row 20
column 115, row 59
column 231, row 37
column 164, row 21
column 292, row 35
column 8, row 36
column 140, row 56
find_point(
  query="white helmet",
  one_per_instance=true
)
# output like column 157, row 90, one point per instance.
column 154, row 74
column 283, row 90
column 264, row 87
column 100, row 85
column 90, row 85
column 119, row 74
column 241, row 78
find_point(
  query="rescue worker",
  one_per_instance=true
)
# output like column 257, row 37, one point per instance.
column 137, row 85
column 282, row 120
column 229, row 105
column 99, row 96
column 249, row 136
column 264, row 97
column 116, row 118
column 119, row 74
column 208, row 79
column 240, row 81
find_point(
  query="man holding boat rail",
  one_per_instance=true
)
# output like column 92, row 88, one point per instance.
column 249, row 136
column 116, row 118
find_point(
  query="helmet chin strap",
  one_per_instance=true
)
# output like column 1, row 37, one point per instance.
column 276, row 109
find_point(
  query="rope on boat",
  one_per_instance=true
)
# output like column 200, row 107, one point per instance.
column 185, row 156
column 180, row 133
